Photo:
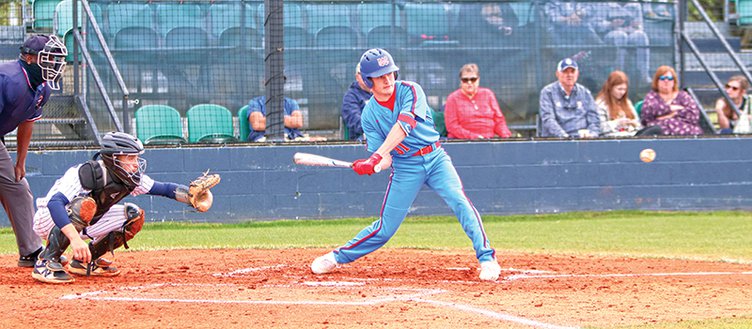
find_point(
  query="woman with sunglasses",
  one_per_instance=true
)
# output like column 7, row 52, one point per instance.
column 472, row 112
column 736, row 88
column 668, row 107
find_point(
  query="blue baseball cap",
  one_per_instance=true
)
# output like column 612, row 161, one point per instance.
column 565, row 64
column 34, row 44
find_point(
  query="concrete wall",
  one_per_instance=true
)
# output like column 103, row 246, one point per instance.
column 262, row 183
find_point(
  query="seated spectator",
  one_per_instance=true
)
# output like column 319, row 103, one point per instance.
column 675, row 111
column 567, row 109
column 569, row 22
column 355, row 99
column 621, row 25
column 486, row 24
column 257, row 119
column 736, row 88
column 658, row 10
column 472, row 112
column 616, row 112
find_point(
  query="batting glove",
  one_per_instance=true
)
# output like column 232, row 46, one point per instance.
column 365, row 166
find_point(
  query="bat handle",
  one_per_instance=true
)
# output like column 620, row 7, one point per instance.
column 377, row 168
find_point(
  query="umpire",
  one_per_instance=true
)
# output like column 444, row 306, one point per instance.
column 25, row 86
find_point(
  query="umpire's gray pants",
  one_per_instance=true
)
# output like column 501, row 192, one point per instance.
column 18, row 203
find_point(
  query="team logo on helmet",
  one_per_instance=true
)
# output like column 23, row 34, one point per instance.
column 383, row 61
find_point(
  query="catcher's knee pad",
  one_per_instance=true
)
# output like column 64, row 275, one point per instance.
column 110, row 242
column 134, row 221
column 81, row 210
column 57, row 242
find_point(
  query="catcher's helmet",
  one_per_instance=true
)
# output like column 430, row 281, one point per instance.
column 116, row 144
column 51, row 53
column 375, row 63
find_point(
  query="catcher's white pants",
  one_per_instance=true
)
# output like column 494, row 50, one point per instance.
column 112, row 220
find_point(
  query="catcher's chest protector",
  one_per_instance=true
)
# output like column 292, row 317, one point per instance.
column 106, row 190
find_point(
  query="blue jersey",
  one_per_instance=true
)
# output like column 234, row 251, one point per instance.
column 258, row 104
column 18, row 101
column 412, row 113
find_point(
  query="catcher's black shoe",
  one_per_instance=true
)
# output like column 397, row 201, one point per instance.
column 100, row 267
column 50, row 272
column 30, row 259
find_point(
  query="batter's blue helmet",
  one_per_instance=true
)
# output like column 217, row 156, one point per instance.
column 375, row 63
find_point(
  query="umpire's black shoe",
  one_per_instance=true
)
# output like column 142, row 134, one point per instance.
column 30, row 259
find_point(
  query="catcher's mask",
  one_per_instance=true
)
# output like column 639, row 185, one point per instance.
column 50, row 57
column 120, row 153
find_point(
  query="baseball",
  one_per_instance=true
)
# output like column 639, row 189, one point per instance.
column 647, row 155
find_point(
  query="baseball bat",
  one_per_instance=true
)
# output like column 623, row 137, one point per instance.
column 307, row 159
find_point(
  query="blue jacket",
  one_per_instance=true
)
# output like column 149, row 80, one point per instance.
column 353, row 102
column 18, row 101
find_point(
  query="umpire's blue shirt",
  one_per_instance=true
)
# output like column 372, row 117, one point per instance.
column 19, row 101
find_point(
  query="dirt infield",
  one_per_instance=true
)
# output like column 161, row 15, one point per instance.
column 392, row 288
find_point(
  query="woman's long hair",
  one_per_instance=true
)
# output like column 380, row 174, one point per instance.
column 616, row 106
column 744, row 84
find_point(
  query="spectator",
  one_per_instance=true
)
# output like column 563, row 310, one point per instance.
column 473, row 112
column 569, row 22
column 666, row 106
column 567, row 109
column 257, row 119
column 353, row 102
column 658, row 10
column 621, row 25
column 736, row 88
column 616, row 112
column 481, row 24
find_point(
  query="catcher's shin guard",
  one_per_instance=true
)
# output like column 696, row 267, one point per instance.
column 134, row 221
column 48, row 267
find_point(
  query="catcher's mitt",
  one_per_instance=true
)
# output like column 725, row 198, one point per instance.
column 199, row 194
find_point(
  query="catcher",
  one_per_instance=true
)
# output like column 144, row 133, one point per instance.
column 83, row 204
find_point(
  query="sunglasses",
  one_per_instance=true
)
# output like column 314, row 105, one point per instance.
column 466, row 80
column 734, row 88
column 666, row 77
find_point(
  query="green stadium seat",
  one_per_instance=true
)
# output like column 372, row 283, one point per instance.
column 62, row 20
column 438, row 121
column 372, row 15
column 44, row 13
column 133, row 43
column 293, row 14
column 210, row 123
column 638, row 108
column 128, row 14
column 243, row 125
column 744, row 10
column 323, row 15
column 427, row 20
column 223, row 16
column 187, row 45
column 159, row 124
column 387, row 37
column 337, row 36
column 241, row 37
column 174, row 15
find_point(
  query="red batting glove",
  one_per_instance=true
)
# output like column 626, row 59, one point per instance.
column 365, row 166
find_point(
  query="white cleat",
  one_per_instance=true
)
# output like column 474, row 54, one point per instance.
column 324, row 264
column 490, row 270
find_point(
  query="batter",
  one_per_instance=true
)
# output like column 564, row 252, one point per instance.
column 400, row 133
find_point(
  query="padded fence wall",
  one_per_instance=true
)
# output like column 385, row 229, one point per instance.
column 262, row 183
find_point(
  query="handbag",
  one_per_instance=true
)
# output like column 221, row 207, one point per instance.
column 743, row 125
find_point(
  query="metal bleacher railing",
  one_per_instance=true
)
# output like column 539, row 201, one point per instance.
column 186, row 53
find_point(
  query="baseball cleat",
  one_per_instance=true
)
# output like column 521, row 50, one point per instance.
column 490, row 270
column 324, row 264
column 50, row 272
column 100, row 267
column 30, row 259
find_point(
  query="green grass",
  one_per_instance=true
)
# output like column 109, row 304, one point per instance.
column 695, row 235
column 714, row 236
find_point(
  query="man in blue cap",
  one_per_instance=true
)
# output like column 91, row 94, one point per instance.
column 25, row 86
column 567, row 108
